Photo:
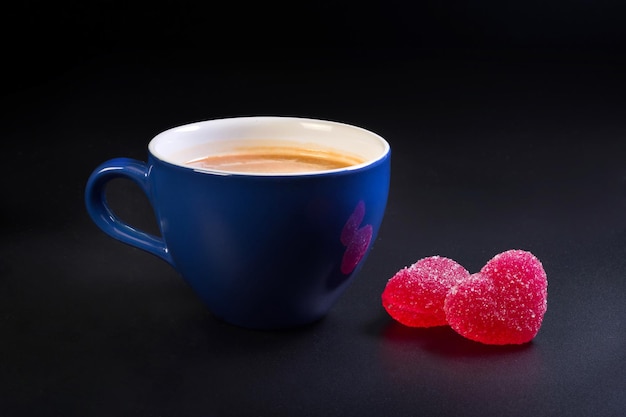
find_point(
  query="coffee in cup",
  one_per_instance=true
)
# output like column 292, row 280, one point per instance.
column 276, row 159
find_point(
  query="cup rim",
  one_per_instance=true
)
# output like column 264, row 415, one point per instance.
column 314, row 123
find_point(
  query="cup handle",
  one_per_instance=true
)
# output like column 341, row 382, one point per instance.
column 103, row 216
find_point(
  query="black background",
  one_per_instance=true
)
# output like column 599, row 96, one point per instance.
column 508, row 130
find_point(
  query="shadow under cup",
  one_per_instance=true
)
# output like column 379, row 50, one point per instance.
column 262, row 250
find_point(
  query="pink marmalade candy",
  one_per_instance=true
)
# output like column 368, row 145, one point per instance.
column 502, row 304
column 415, row 296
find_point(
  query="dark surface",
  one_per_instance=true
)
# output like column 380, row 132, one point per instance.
column 508, row 130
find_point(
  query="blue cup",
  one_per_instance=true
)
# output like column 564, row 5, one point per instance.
column 263, row 250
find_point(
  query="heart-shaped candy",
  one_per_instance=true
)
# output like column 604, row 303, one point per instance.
column 502, row 304
column 414, row 296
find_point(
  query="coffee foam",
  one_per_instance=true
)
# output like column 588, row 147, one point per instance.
column 276, row 159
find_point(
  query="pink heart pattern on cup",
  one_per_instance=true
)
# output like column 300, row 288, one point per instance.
column 355, row 238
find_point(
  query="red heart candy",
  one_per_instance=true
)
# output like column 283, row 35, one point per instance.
column 502, row 304
column 414, row 296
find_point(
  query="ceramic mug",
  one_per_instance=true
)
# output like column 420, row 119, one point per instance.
column 262, row 250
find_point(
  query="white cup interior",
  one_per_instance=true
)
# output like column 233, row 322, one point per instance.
column 181, row 144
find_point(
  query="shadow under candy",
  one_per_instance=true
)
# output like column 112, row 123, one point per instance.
column 444, row 341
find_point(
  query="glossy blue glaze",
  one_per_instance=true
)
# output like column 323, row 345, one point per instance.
column 261, row 251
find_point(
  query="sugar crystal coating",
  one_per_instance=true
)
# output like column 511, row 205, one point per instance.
column 502, row 304
column 414, row 296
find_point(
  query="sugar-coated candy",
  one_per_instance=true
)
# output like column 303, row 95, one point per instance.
column 414, row 296
column 502, row 304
